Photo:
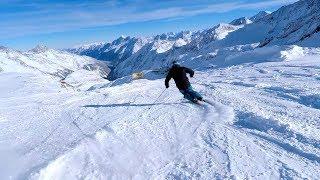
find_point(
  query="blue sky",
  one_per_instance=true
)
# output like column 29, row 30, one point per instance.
column 61, row 24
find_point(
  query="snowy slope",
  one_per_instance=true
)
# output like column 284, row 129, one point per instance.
column 49, row 62
column 290, row 24
column 263, row 124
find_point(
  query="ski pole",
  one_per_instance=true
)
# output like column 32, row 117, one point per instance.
column 158, row 97
column 148, row 109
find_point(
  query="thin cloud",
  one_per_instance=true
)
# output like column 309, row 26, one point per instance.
column 48, row 18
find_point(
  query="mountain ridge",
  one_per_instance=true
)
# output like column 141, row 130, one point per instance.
column 45, row 61
column 281, row 27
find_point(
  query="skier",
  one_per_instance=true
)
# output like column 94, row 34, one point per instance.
column 178, row 73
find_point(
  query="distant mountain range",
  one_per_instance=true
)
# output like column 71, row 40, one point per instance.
column 298, row 24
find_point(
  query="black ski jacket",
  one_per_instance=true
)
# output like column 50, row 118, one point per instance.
column 179, row 75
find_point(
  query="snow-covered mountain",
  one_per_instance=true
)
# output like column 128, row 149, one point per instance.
column 160, row 53
column 118, row 50
column 297, row 23
column 49, row 62
column 247, row 20
column 63, row 69
column 136, row 54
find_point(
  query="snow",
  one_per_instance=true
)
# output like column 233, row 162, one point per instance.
column 180, row 42
column 241, row 21
column 263, row 123
column 47, row 61
column 114, row 51
column 86, row 46
column 162, row 46
column 60, row 118
column 83, row 79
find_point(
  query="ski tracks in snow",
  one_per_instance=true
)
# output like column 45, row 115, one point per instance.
column 170, row 140
column 250, row 130
column 275, row 109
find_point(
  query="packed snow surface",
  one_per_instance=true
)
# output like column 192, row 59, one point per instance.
column 263, row 123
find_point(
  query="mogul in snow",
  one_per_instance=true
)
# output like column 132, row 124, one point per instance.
column 179, row 74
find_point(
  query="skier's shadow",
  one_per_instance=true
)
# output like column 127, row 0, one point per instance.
column 129, row 105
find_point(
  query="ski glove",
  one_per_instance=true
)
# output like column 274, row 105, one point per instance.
column 191, row 73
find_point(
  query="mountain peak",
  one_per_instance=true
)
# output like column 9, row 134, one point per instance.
column 241, row 21
column 39, row 49
column 259, row 16
column 121, row 39
column 3, row 48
